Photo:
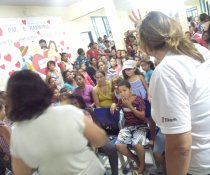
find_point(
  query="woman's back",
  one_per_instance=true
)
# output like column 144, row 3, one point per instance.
column 54, row 143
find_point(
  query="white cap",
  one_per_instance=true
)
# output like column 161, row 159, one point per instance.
column 129, row 64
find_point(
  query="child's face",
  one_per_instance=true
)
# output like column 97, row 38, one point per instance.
column 123, row 54
column 124, row 91
column 83, row 67
column 113, row 62
column 130, row 72
column 51, row 67
column 2, row 113
column 145, row 66
column 138, row 62
column 102, row 66
column 69, row 75
column 53, row 82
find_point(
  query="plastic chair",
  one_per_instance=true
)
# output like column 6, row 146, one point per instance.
column 104, row 118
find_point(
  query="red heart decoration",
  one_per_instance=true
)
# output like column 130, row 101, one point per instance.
column 38, row 32
column 12, row 72
column 17, row 44
column 17, row 64
column 67, row 48
column 48, row 21
column 2, row 66
column 8, row 57
column 1, row 32
column 35, row 62
column 24, row 21
column 62, row 43
column 68, row 55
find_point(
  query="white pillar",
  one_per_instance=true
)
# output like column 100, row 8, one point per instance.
column 114, row 23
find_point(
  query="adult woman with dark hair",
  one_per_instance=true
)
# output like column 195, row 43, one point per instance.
column 81, row 59
column 109, row 73
column 102, row 92
column 91, row 70
column 65, row 63
column 50, row 139
column 84, row 89
column 93, row 52
column 69, row 81
column 180, row 93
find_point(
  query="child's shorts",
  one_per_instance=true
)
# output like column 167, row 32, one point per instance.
column 132, row 135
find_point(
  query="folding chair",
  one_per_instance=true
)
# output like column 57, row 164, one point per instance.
column 109, row 122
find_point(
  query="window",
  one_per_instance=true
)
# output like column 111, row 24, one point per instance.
column 101, row 25
column 192, row 12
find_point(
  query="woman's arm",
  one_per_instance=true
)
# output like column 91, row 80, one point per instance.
column 95, row 97
column 63, row 67
column 94, row 134
column 144, row 82
column 20, row 168
column 178, row 153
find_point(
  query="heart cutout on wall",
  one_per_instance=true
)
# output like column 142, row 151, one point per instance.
column 2, row 66
column 24, row 21
column 11, row 72
column 8, row 57
column 17, row 64
column 62, row 43
column 17, row 44
column 36, row 61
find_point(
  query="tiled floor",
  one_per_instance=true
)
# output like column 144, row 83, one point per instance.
column 149, row 170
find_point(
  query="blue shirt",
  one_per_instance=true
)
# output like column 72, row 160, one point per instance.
column 147, row 75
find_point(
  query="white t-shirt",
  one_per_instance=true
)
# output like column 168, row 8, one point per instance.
column 180, row 91
column 54, row 143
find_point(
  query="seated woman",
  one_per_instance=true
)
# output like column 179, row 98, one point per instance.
column 84, row 90
column 65, row 63
column 69, row 81
column 102, row 92
column 50, row 139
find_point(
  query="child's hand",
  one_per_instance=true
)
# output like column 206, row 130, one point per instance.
column 126, row 102
column 113, row 108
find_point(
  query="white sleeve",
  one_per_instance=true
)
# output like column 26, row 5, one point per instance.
column 170, row 105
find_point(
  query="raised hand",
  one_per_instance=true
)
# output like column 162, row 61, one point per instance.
column 136, row 20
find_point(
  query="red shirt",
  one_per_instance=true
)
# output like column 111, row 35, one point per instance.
column 92, row 53
column 130, row 118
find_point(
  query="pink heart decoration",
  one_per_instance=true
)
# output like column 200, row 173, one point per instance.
column 17, row 44
column 62, row 43
column 2, row 66
column 24, row 21
column 8, row 57
column 67, row 48
column 17, row 64
column 38, row 32
column 11, row 72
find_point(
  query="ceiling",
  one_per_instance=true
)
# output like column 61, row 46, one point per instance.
column 38, row 2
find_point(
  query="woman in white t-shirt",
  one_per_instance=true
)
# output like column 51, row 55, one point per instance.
column 51, row 139
column 180, row 93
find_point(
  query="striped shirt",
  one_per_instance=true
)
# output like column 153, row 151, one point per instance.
column 4, row 147
column 130, row 118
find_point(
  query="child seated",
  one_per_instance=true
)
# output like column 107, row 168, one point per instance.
column 134, row 132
